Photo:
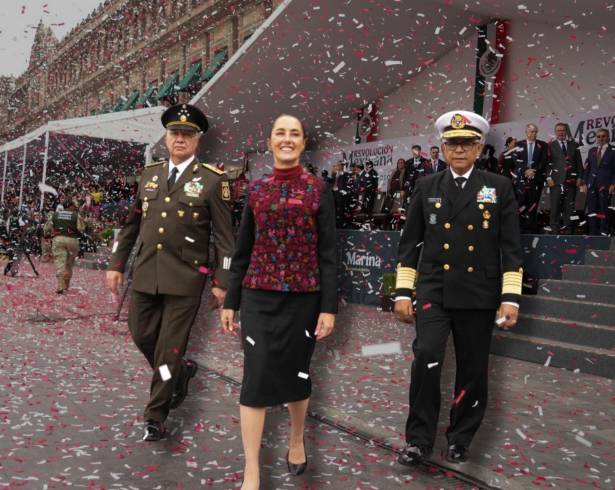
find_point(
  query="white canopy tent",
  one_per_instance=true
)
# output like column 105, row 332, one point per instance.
column 135, row 126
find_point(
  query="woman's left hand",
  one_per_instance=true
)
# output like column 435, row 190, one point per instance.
column 325, row 325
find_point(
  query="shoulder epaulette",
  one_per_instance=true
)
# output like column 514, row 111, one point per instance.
column 153, row 164
column 213, row 168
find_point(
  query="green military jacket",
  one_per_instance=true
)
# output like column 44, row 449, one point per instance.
column 174, row 227
column 64, row 223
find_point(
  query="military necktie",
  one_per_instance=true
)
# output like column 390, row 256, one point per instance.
column 599, row 155
column 173, row 177
column 460, row 181
column 564, row 149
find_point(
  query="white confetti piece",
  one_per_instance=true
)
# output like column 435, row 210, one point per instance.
column 500, row 320
column 250, row 340
column 392, row 63
column 432, row 365
column 583, row 441
column 535, row 242
column 381, row 349
column 521, row 434
column 303, row 375
column 188, row 239
column 341, row 65
column 548, row 361
column 539, row 408
column 165, row 374
column 307, row 334
column 475, row 404
column 115, row 245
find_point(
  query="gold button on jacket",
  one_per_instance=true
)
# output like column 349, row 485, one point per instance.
column 174, row 234
column 458, row 264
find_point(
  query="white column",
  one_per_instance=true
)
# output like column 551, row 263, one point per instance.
column 148, row 154
column 23, row 171
column 45, row 157
column 6, row 159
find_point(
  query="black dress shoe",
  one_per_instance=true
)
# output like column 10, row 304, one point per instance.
column 181, row 389
column 413, row 454
column 153, row 430
column 457, row 453
column 297, row 469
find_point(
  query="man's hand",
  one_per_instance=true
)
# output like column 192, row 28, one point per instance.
column 217, row 295
column 530, row 172
column 579, row 182
column 404, row 311
column 113, row 281
column 509, row 313
column 612, row 189
column 550, row 182
column 325, row 325
column 227, row 317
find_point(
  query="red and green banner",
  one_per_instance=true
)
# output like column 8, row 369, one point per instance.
column 491, row 48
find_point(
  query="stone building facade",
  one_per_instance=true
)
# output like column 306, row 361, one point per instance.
column 127, row 54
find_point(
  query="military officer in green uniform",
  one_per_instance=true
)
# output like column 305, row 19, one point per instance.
column 65, row 226
column 463, row 223
column 179, row 201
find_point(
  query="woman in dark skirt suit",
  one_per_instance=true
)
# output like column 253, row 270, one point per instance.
column 283, row 279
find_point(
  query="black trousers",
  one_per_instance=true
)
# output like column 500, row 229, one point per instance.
column 562, row 205
column 528, row 198
column 598, row 206
column 160, row 325
column 472, row 339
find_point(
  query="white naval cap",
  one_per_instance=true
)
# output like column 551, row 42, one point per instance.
column 462, row 124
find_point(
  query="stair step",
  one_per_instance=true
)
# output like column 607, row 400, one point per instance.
column 597, row 274
column 584, row 291
column 576, row 333
column 600, row 257
column 589, row 360
column 570, row 310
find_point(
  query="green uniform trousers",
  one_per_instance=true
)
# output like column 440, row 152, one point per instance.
column 65, row 251
column 160, row 325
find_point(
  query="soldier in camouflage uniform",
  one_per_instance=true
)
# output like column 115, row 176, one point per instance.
column 65, row 225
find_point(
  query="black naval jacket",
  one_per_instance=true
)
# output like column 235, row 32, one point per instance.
column 470, row 243
column 174, row 227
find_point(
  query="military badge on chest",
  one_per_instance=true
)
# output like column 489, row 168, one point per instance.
column 151, row 185
column 487, row 195
column 486, row 218
column 193, row 188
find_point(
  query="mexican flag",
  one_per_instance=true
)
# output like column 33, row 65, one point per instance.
column 491, row 48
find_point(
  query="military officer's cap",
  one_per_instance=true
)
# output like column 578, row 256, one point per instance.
column 462, row 124
column 185, row 117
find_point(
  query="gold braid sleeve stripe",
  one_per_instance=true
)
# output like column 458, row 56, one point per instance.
column 511, row 283
column 406, row 277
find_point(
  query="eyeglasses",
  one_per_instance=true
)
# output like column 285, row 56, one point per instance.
column 465, row 145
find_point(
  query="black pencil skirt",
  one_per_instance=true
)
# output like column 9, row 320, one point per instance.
column 277, row 331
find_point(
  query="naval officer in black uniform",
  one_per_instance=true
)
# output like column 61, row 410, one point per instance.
column 178, row 203
column 463, row 224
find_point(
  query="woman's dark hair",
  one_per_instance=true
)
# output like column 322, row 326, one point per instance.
column 508, row 140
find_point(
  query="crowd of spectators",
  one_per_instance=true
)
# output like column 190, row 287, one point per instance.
column 557, row 191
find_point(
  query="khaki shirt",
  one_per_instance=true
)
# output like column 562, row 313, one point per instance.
column 174, row 228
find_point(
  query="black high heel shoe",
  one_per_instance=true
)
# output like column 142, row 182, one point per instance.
column 297, row 469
